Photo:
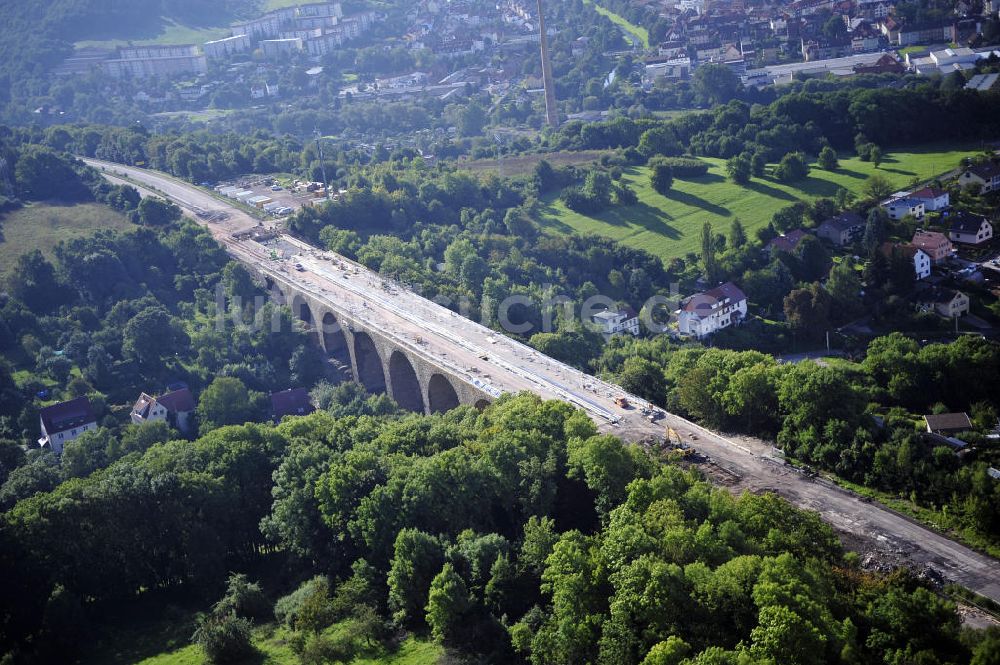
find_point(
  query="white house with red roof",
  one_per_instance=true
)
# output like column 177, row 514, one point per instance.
column 918, row 257
column 933, row 198
column 936, row 245
column 175, row 408
column 704, row 313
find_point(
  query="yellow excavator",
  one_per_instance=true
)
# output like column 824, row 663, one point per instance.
column 675, row 442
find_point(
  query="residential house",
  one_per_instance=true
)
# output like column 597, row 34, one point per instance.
column 615, row 322
column 937, row 245
column 865, row 38
column 986, row 175
column 174, row 408
column 919, row 258
column 875, row 8
column 934, row 198
column 843, row 229
column 291, row 402
column 704, row 313
column 970, row 229
column 925, row 33
column 813, row 50
column 947, row 423
column 787, row 242
column 898, row 208
column 944, row 302
column 64, row 422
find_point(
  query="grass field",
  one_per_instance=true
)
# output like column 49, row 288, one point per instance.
column 671, row 226
column 271, row 5
column 43, row 225
column 273, row 646
column 521, row 164
column 205, row 115
column 636, row 31
column 171, row 33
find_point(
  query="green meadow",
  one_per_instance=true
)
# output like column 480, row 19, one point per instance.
column 161, row 642
column 670, row 226
column 44, row 225
column 636, row 31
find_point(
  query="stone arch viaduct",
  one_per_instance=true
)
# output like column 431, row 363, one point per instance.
column 378, row 360
column 460, row 361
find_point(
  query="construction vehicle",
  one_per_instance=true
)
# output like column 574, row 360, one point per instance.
column 621, row 402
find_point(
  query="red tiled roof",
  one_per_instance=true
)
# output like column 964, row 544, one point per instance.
column 178, row 401
column 703, row 304
column 928, row 193
column 930, row 239
column 789, row 241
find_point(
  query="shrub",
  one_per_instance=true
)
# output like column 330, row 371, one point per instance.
column 662, row 178
column 739, row 169
column 224, row 638
column 827, row 158
column 593, row 197
column 321, row 649
column 792, row 167
column 683, row 167
column 244, row 599
column 624, row 196
column 574, row 199
column 633, row 156
column 289, row 609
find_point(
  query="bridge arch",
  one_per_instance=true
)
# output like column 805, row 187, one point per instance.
column 369, row 363
column 406, row 389
column 441, row 394
column 334, row 341
column 300, row 309
column 482, row 404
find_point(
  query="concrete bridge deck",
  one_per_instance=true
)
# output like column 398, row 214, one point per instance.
column 380, row 318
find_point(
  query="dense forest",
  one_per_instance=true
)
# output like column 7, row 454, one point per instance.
column 860, row 421
column 513, row 535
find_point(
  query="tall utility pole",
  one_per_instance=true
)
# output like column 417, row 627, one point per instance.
column 322, row 164
column 551, row 112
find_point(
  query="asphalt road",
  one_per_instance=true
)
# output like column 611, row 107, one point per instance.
column 497, row 364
